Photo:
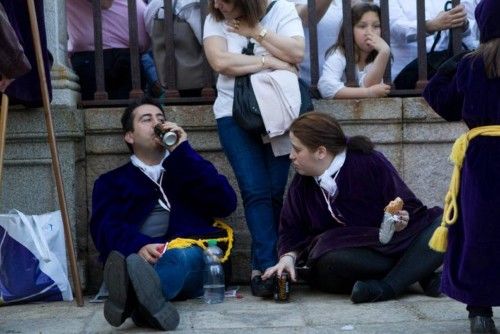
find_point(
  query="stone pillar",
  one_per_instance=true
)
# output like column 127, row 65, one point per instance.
column 65, row 86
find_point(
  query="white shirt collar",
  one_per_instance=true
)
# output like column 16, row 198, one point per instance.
column 154, row 171
column 327, row 180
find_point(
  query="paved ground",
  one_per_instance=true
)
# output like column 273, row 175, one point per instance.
column 308, row 312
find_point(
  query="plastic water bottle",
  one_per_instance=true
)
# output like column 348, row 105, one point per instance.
column 213, row 280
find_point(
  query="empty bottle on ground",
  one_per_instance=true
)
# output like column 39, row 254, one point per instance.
column 213, row 282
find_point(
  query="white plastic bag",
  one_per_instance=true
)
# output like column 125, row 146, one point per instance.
column 32, row 258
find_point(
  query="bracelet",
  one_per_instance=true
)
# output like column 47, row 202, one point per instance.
column 263, row 61
column 294, row 258
column 261, row 35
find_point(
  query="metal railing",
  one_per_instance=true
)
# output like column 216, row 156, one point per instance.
column 207, row 95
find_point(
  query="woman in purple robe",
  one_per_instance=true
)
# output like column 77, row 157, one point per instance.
column 471, row 92
column 333, row 213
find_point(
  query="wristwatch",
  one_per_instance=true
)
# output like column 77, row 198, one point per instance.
column 262, row 34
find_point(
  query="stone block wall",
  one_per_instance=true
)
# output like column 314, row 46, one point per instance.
column 28, row 182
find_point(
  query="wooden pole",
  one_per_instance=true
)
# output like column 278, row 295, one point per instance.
column 3, row 129
column 53, row 151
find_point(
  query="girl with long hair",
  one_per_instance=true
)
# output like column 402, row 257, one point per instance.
column 372, row 55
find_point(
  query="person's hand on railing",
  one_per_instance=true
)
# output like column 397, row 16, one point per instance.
column 379, row 90
column 454, row 18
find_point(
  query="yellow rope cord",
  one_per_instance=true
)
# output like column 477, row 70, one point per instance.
column 439, row 240
column 186, row 242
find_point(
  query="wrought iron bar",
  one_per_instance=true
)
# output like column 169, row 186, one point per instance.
column 349, row 45
column 421, row 45
column 100, row 93
column 133, row 36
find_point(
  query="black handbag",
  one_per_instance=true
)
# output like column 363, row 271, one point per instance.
column 408, row 77
column 246, row 111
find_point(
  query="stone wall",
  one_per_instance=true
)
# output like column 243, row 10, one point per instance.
column 28, row 183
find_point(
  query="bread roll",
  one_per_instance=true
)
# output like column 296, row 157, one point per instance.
column 394, row 206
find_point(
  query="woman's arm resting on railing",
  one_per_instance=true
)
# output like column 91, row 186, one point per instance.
column 378, row 90
column 331, row 85
column 233, row 64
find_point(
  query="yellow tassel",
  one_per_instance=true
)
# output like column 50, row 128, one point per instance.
column 439, row 240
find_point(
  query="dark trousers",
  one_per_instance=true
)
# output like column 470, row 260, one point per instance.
column 337, row 271
column 117, row 77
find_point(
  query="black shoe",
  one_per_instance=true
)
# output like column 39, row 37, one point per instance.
column 432, row 285
column 481, row 324
column 371, row 291
column 153, row 307
column 262, row 288
column 118, row 307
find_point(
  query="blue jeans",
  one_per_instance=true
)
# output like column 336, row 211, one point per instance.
column 181, row 272
column 149, row 67
column 262, row 178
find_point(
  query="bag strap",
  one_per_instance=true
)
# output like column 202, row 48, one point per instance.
column 268, row 9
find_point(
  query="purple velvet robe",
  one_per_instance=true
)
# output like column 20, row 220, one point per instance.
column 366, row 184
column 26, row 88
column 472, row 261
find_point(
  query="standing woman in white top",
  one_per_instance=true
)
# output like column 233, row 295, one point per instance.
column 371, row 53
column 262, row 177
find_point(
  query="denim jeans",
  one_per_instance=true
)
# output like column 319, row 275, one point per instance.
column 181, row 273
column 262, row 178
column 149, row 67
